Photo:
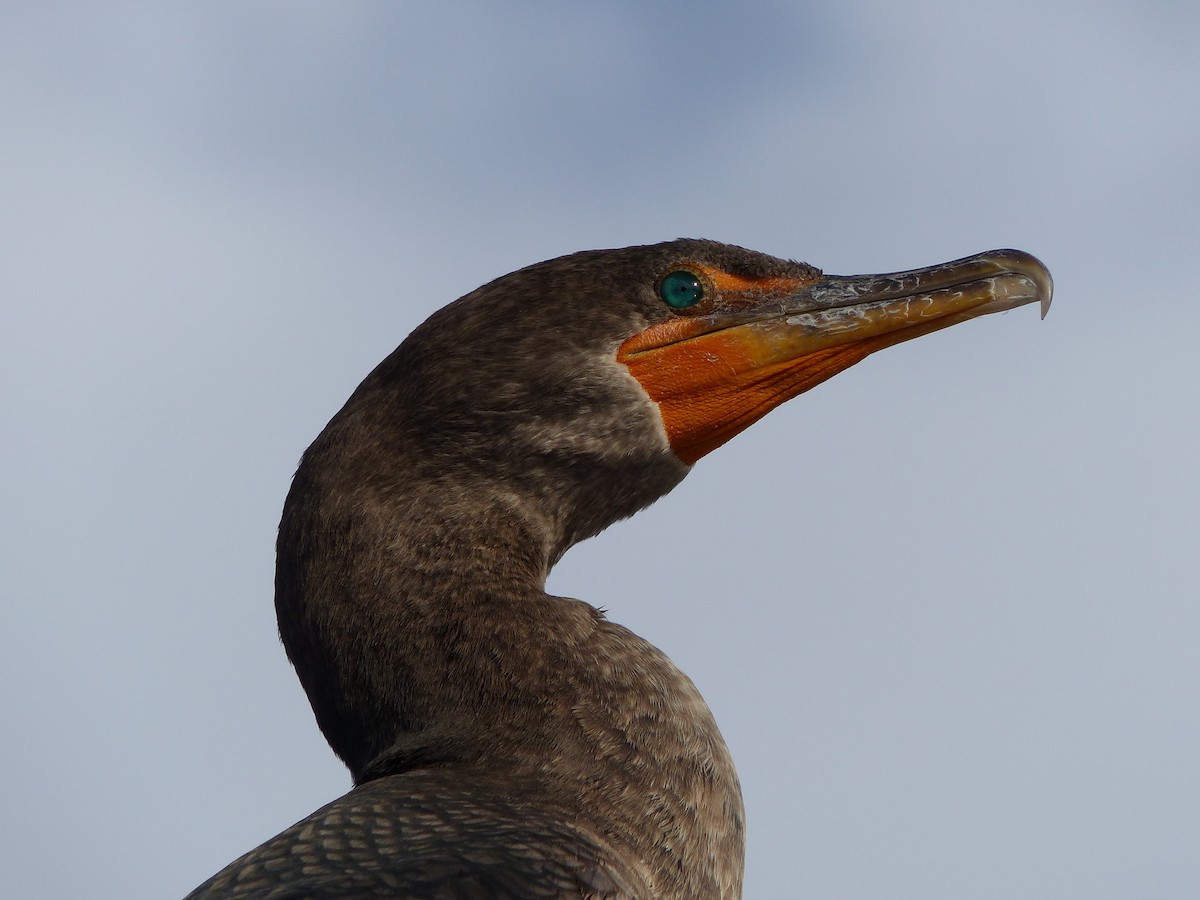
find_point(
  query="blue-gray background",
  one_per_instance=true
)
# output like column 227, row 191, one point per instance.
column 944, row 607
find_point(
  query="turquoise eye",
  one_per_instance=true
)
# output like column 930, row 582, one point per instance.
column 681, row 289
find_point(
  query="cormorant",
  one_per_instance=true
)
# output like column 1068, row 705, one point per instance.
column 504, row 742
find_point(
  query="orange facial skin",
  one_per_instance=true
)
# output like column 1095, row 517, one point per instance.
column 711, row 387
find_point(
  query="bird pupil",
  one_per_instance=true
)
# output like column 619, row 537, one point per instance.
column 680, row 290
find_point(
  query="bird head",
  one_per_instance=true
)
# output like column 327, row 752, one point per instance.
column 624, row 367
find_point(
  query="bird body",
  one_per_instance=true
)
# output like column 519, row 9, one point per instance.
column 505, row 742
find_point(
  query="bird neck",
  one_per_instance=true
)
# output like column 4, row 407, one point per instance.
column 411, row 600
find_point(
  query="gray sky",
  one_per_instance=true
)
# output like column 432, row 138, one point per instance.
column 944, row 606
